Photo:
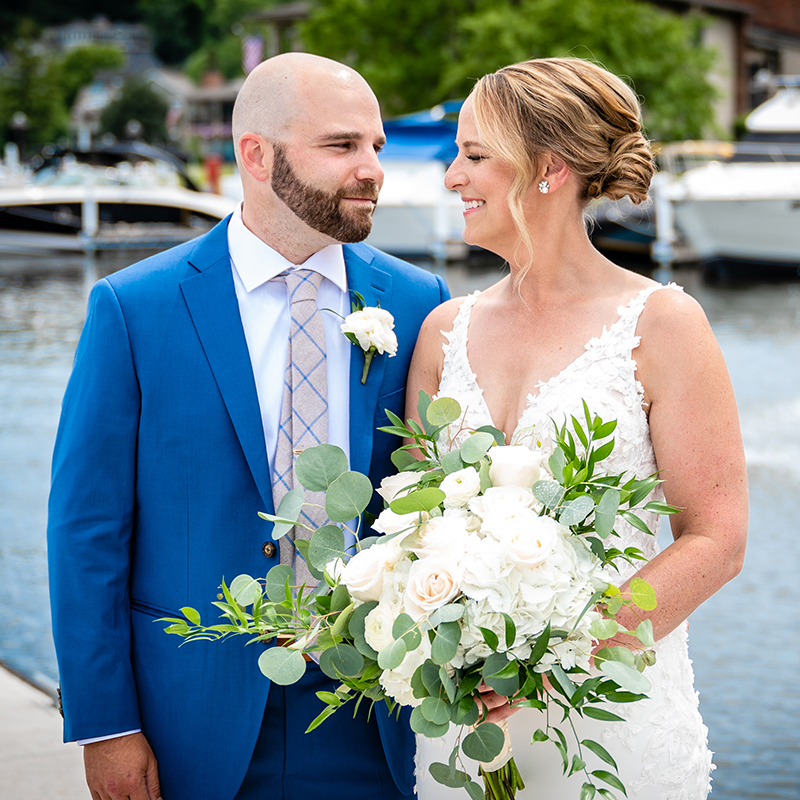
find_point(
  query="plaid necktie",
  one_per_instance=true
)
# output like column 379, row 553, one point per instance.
column 304, row 411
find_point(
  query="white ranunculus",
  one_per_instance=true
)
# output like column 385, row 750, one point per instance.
column 365, row 571
column 397, row 682
column 378, row 626
column 372, row 327
column 472, row 522
column 529, row 537
column 389, row 522
column 392, row 485
column 432, row 583
column 460, row 487
column 514, row 465
column 334, row 569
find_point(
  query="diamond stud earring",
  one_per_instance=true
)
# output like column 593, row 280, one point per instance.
column 544, row 187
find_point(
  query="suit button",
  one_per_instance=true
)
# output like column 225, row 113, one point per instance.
column 268, row 549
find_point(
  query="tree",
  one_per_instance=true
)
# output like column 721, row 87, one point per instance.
column 656, row 51
column 415, row 56
column 400, row 48
column 138, row 101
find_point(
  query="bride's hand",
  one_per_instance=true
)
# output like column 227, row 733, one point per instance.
column 496, row 704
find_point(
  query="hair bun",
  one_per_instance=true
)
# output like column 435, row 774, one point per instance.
column 628, row 171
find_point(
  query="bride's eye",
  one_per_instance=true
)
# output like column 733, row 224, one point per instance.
column 476, row 158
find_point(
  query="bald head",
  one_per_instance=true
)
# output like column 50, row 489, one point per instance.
column 283, row 90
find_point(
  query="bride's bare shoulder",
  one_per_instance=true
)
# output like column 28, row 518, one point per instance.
column 441, row 318
column 671, row 313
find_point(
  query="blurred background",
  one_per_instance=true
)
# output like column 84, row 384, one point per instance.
column 115, row 143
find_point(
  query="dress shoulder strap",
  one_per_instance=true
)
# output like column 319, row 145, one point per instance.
column 629, row 314
column 455, row 348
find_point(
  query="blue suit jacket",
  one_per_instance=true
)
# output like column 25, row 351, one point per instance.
column 159, row 471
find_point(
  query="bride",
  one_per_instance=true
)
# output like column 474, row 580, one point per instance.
column 537, row 141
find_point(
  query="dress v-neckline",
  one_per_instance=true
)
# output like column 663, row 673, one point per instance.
column 544, row 386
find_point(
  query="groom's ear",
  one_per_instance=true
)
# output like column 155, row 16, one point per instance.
column 556, row 170
column 256, row 156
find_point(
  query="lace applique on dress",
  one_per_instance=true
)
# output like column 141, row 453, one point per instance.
column 661, row 748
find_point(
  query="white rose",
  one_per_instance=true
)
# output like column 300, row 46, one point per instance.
column 372, row 327
column 529, row 537
column 514, row 465
column 432, row 583
column 378, row 626
column 445, row 538
column 460, row 487
column 392, row 485
column 389, row 522
column 506, row 501
column 472, row 522
column 365, row 571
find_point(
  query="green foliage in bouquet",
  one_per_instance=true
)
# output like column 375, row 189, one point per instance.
column 330, row 622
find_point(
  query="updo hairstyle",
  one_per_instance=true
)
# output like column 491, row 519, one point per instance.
column 570, row 107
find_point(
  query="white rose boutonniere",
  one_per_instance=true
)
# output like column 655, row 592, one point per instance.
column 372, row 329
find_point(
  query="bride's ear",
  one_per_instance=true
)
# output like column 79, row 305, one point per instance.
column 555, row 171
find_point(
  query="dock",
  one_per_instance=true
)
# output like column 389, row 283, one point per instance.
column 35, row 764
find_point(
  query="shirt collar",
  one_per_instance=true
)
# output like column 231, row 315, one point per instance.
column 257, row 262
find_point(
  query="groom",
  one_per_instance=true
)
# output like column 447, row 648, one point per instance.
column 165, row 454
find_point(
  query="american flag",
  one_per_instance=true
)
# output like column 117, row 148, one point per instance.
column 252, row 53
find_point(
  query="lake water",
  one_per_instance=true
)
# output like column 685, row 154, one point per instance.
column 745, row 641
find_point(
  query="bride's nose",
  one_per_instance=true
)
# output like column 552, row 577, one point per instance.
column 454, row 176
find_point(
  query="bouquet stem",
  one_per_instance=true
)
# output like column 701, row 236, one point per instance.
column 502, row 784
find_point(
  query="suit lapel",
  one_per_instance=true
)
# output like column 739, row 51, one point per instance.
column 211, row 299
column 375, row 286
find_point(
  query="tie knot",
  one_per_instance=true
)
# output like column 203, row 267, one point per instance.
column 302, row 284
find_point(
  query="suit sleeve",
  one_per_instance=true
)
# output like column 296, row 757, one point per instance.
column 90, row 526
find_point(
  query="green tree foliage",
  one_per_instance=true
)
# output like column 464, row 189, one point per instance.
column 401, row 48
column 43, row 86
column 137, row 100
column 416, row 55
column 178, row 27
column 658, row 52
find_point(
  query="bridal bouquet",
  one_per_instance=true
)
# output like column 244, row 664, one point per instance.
column 490, row 570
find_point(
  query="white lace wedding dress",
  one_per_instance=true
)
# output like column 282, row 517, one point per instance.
column 661, row 748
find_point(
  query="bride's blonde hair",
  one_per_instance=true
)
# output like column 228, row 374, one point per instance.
column 571, row 107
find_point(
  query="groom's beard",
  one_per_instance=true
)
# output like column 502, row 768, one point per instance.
column 322, row 210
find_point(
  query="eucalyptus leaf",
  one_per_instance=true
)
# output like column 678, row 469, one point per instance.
column 451, row 462
column 275, row 585
column 575, row 511
column 548, row 493
column 557, row 462
column 426, row 728
column 435, row 710
column 327, row 543
column 643, row 594
column 392, row 655
column 626, row 676
column 644, row 632
column 341, row 659
column 244, row 590
column 289, row 509
column 442, row 773
column 499, row 436
column 484, row 743
column 445, row 643
column 348, row 496
column 604, row 628
column 475, row 447
column 449, row 613
column 475, row 791
column 405, row 628
column 318, row 467
column 605, row 515
column 442, row 412
column 282, row 665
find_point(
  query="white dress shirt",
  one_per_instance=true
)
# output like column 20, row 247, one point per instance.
column 264, row 308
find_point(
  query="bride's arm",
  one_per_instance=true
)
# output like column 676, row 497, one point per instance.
column 425, row 371
column 697, row 441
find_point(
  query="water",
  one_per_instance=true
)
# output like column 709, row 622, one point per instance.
column 744, row 641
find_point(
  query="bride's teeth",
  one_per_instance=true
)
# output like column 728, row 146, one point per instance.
column 472, row 204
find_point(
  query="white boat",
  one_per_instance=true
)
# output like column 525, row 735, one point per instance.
column 102, row 199
column 738, row 205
